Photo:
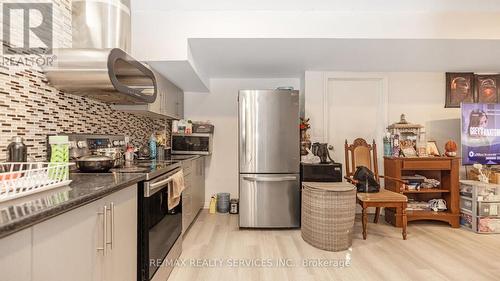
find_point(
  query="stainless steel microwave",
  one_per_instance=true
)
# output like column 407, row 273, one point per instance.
column 197, row 143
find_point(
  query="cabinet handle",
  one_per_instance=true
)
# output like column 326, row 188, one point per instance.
column 104, row 230
column 112, row 216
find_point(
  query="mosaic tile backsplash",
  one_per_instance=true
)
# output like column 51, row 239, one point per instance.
column 31, row 108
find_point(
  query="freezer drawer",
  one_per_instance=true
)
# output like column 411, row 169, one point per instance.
column 269, row 138
column 269, row 201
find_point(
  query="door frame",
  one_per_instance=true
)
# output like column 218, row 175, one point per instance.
column 356, row 76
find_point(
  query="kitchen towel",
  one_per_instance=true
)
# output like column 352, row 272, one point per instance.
column 175, row 189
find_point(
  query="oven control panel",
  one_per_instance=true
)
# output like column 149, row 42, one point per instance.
column 98, row 143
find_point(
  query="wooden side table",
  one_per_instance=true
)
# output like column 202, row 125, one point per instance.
column 443, row 169
column 386, row 199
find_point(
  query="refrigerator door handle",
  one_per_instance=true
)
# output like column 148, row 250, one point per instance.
column 289, row 178
column 244, row 131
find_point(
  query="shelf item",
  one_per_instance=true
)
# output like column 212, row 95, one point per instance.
column 419, row 205
column 442, row 169
column 480, row 206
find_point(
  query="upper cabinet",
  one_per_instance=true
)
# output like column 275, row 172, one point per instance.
column 173, row 99
column 169, row 102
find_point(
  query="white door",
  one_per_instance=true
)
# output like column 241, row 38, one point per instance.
column 356, row 109
column 66, row 247
column 121, row 263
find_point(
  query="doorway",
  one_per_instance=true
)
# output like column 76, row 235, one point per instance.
column 356, row 107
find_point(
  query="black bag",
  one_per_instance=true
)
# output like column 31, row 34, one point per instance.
column 366, row 180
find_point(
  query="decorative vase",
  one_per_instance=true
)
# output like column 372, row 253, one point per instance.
column 305, row 143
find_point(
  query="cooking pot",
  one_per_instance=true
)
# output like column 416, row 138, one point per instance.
column 95, row 163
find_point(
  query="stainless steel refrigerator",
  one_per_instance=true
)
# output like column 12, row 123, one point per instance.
column 269, row 158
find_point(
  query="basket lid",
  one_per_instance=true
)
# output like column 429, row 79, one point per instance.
column 330, row 186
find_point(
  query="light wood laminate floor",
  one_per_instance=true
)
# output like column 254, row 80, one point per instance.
column 214, row 245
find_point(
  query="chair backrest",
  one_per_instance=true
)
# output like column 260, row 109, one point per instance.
column 360, row 153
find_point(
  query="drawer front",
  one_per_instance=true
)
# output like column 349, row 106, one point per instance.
column 427, row 165
column 466, row 205
column 488, row 209
column 488, row 225
column 466, row 190
column 466, row 220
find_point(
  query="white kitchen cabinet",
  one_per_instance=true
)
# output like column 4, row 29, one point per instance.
column 173, row 104
column 65, row 247
column 187, row 196
column 70, row 246
column 15, row 256
column 193, row 196
column 121, row 262
column 199, row 189
column 169, row 101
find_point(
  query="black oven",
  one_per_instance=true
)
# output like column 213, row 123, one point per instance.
column 159, row 228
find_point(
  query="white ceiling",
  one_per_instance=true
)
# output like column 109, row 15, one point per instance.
column 224, row 58
column 182, row 74
column 321, row 5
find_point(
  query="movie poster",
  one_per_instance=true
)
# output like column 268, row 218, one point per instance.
column 480, row 133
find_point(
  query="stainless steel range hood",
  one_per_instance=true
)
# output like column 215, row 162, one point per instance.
column 98, row 65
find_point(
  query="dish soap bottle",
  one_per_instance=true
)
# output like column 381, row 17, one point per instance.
column 152, row 146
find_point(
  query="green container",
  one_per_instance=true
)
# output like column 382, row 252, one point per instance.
column 59, row 153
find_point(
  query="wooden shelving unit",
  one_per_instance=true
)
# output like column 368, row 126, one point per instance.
column 430, row 190
column 443, row 169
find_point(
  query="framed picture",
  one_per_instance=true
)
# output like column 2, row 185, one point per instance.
column 487, row 88
column 409, row 152
column 459, row 88
column 432, row 149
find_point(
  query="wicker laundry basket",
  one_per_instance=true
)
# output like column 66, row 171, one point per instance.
column 328, row 211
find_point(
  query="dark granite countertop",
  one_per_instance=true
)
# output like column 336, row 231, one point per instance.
column 24, row 212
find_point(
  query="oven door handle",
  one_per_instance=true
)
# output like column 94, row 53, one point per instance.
column 155, row 187
column 152, row 188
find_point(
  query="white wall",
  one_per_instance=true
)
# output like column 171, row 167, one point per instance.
column 220, row 106
column 419, row 95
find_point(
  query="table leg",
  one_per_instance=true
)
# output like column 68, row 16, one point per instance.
column 404, row 221
column 364, row 221
column 377, row 214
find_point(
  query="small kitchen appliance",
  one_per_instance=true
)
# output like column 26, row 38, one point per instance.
column 195, row 143
column 329, row 172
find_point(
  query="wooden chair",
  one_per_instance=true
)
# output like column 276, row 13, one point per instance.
column 360, row 153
